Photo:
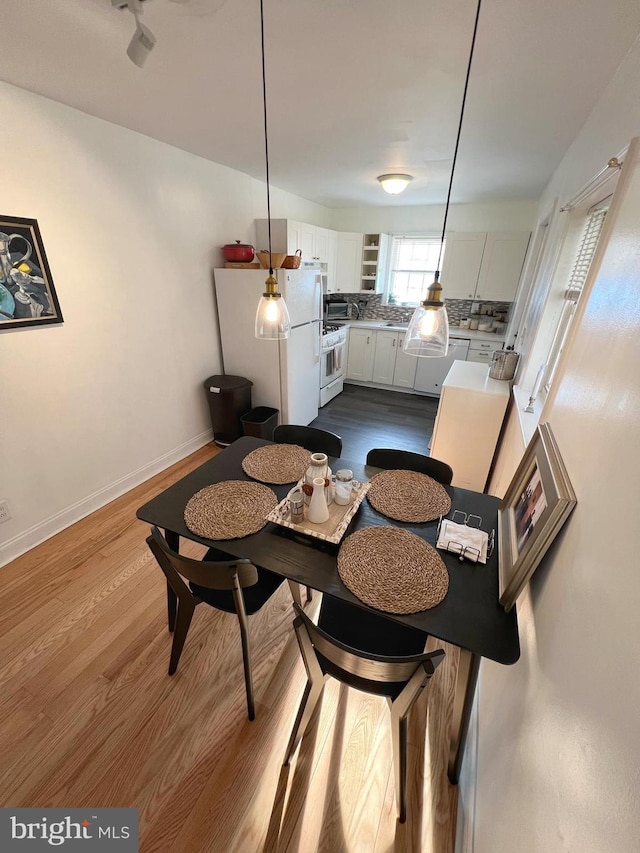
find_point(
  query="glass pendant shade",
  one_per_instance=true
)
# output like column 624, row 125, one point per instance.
column 272, row 316
column 428, row 332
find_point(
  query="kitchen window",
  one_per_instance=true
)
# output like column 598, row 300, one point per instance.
column 413, row 262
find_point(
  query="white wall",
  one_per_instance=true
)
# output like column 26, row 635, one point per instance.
column 559, row 750
column 132, row 229
column 499, row 216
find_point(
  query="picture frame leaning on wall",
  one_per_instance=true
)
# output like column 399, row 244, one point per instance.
column 536, row 505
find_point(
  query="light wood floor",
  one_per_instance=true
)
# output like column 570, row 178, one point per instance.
column 89, row 716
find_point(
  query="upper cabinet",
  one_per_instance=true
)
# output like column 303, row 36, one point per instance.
column 481, row 265
column 349, row 263
column 288, row 236
column 374, row 250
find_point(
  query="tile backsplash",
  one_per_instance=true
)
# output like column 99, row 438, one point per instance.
column 371, row 307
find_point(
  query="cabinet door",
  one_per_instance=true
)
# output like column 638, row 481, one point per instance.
column 307, row 241
column 360, row 360
column 461, row 264
column 501, row 266
column 404, row 374
column 293, row 236
column 349, row 262
column 384, row 361
column 321, row 246
column 332, row 261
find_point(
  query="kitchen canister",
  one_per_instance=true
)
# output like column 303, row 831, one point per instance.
column 319, row 468
column 503, row 364
column 344, row 486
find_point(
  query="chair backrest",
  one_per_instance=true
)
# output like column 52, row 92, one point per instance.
column 362, row 665
column 383, row 457
column 213, row 574
column 311, row 438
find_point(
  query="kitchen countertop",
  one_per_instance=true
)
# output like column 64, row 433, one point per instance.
column 454, row 331
column 472, row 376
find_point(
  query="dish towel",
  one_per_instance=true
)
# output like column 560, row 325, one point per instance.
column 469, row 542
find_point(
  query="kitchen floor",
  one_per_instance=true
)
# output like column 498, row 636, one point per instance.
column 370, row 417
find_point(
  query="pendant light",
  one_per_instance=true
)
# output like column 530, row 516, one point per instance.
column 428, row 332
column 272, row 316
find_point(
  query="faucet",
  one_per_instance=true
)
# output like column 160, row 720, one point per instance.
column 353, row 305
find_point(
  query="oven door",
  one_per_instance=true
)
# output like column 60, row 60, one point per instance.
column 332, row 366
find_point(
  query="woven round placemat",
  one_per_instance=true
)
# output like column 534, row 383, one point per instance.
column 392, row 570
column 277, row 463
column 408, row 496
column 229, row 510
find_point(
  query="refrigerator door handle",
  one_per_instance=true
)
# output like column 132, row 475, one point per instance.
column 318, row 346
column 319, row 305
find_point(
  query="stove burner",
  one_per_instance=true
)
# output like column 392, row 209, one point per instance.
column 327, row 328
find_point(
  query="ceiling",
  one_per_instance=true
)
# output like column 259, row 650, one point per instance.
column 355, row 88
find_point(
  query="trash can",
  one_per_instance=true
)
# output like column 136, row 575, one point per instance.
column 260, row 422
column 229, row 398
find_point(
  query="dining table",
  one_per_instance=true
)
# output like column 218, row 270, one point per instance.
column 468, row 617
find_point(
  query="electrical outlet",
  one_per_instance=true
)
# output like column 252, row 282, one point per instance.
column 5, row 512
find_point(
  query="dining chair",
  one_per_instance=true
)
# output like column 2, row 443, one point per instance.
column 233, row 585
column 384, row 457
column 372, row 654
column 311, row 438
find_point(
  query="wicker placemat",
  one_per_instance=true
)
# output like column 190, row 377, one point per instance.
column 277, row 463
column 229, row 510
column 408, row 496
column 392, row 570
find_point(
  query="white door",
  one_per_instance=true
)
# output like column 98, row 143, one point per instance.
column 461, row 264
column 502, row 264
column 384, row 360
column 349, row 264
column 302, row 291
column 360, row 358
column 300, row 375
column 404, row 374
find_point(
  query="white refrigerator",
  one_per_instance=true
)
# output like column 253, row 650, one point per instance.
column 285, row 374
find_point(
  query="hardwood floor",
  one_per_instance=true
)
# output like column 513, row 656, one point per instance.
column 89, row 716
column 370, row 417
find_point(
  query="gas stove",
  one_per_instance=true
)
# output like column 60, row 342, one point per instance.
column 327, row 328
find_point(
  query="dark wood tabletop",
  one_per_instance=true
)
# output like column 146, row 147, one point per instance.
column 469, row 616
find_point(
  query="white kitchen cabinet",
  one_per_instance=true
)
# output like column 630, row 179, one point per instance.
column 391, row 365
column 332, row 261
column 349, row 262
column 486, row 266
column 482, row 351
column 374, row 250
column 361, row 354
column 468, row 423
column 288, row 235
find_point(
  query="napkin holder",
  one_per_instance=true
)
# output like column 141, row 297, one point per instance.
column 478, row 552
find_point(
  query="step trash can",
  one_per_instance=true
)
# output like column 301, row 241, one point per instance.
column 260, row 422
column 229, row 398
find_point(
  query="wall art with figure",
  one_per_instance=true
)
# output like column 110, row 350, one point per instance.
column 27, row 294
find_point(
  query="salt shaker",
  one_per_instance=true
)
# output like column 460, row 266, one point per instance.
column 344, row 484
column 296, row 506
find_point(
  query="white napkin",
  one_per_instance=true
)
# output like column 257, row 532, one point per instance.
column 458, row 537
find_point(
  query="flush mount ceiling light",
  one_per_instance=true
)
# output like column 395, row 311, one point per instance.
column 143, row 40
column 272, row 316
column 394, row 184
column 428, row 332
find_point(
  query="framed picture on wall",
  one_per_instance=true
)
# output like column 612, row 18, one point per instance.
column 27, row 294
column 538, row 501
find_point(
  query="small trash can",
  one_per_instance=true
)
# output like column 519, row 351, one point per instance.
column 260, row 422
column 229, row 398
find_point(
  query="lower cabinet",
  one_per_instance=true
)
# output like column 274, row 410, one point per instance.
column 482, row 351
column 361, row 354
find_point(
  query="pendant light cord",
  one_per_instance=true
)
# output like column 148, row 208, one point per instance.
column 455, row 152
column 266, row 143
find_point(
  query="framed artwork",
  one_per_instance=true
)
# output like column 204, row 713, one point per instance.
column 27, row 294
column 538, row 501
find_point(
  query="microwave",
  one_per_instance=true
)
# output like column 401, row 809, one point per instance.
column 335, row 309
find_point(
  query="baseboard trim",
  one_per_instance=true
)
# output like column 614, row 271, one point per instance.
column 28, row 539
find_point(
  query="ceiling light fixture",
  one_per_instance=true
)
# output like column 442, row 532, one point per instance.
column 428, row 332
column 394, row 184
column 272, row 316
column 143, row 40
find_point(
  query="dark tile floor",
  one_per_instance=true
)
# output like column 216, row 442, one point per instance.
column 369, row 417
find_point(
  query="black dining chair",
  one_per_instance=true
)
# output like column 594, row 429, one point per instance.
column 387, row 458
column 233, row 585
column 372, row 654
column 311, row 438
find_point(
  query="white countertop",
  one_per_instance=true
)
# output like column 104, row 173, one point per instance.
column 475, row 377
column 454, row 331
